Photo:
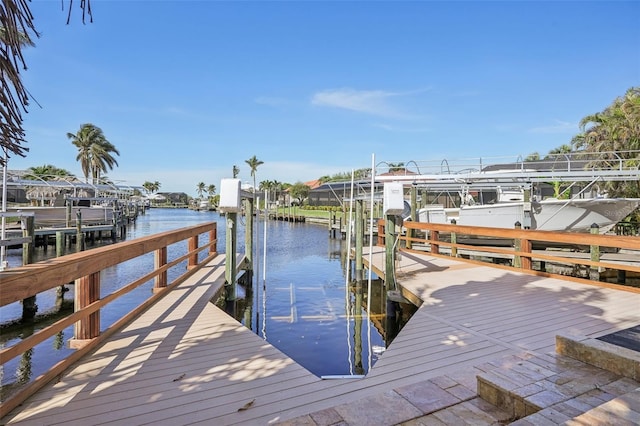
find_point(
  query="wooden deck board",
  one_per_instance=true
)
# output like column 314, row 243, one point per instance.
column 185, row 361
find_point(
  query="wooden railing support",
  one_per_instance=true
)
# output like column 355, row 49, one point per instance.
column 435, row 238
column 193, row 246
column 594, row 272
column 159, row 260
column 454, row 241
column 87, row 291
column 517, row 260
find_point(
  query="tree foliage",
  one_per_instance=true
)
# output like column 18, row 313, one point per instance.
column 95, row 152
column 299, row 191
column 48, row 172
column 17, row 30
column 615, row 134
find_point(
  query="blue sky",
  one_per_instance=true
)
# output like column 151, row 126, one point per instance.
column 187, row 89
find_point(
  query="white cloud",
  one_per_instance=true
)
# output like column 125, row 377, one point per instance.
column 374, row 102
column 559, row 127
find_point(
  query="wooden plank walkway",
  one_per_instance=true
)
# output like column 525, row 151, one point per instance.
column 185, row 361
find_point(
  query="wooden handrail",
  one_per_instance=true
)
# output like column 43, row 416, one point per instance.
column 32, row 279
column 25, row 281
column 521, row 249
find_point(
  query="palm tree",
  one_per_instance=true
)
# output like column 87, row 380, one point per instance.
column 148, row 186
column 94, row 151
column 253, row 163
column 614, row 133
column 211, row 190
column 201, row 188
column 17, row 25
column 48, row 172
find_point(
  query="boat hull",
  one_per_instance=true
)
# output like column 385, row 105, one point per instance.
column 548, row 215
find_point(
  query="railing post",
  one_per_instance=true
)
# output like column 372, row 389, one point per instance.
column 525, row 246
column 454, row 241
column 87, row 291
column 213, row 236
column 159, row 260
column 193, row 247
column 381, row 233
column 594, row 271
column 517, row 246
column 435, row 238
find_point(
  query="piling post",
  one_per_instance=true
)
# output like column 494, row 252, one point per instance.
column 60, row 290
column 517, row 260
column 357, row 330
column 414, row 200
column 68, row 214
column 79, row 235
column 454, row 241
column 230, row 264
column 29, row 306
column 248, row 234
column 389, row 243
column 359, row 241
column 594, row 271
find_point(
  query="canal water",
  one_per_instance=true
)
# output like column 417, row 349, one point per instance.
column 297, row 299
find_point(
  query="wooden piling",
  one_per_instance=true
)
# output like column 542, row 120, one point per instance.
column 389, row 242
column 29, row 306
column 230, row 263
column 359, row 240
column 248, row 233
column 594, row 272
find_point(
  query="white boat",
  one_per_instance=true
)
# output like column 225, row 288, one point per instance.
column 551, row 214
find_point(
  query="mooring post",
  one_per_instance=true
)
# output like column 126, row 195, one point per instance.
column 389, row 243
column 230, row 264
column 248, row 233
column 67, row 214
column 359, row 241
column 594, row 271
column 414, row 218
column 29, row 306
column 79, row 235
column 357, row 330
column 60, row 242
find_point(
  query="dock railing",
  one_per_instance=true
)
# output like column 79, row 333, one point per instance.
column 529, row 251
column 85, row 269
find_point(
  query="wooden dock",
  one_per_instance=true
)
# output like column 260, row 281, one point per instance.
column 185, row 361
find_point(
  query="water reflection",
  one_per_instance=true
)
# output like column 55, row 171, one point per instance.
column 298, row 301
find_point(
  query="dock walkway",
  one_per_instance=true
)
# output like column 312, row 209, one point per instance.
column 185, row 361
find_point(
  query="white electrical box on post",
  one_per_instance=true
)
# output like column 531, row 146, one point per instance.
column 393, row 198
column 230, row 201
